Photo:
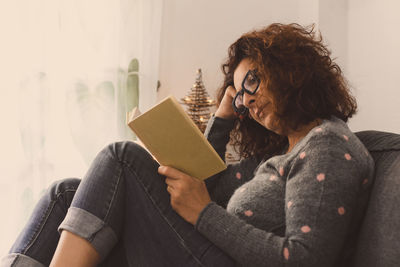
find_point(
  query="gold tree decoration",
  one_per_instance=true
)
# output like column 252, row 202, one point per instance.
column 198, row 103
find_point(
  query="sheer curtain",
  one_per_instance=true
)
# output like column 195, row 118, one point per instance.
column 70, row 70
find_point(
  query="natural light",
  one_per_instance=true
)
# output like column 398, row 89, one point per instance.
column 64, row 74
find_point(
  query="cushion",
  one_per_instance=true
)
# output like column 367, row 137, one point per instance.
column 379, row 239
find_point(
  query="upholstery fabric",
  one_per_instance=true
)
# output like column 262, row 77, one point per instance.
column 379, row 239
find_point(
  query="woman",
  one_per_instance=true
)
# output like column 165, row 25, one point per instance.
column 296, row 198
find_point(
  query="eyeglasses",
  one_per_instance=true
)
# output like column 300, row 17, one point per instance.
column 250, row 85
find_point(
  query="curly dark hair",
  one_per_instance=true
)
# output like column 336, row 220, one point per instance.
column 298, row 72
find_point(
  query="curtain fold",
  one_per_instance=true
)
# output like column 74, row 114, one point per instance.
column 66, row 87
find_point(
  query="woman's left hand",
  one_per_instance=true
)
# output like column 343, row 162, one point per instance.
column 189, row 196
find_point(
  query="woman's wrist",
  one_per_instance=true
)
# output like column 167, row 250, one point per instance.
column 228, row 115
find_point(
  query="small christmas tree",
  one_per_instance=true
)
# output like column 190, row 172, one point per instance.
column 198, row 103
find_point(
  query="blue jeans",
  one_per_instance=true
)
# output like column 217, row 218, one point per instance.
column 123, row 209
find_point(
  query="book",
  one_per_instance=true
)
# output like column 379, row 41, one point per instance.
column 174, row 140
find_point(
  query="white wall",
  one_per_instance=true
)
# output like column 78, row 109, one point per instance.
column 332, row 22
column 197, row 34
column 362, row 35
column 374, row 63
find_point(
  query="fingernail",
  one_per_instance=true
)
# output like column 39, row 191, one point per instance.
column 162, row 168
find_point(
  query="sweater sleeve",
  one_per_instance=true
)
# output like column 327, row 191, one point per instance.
column 222, row 185
column 322, row 189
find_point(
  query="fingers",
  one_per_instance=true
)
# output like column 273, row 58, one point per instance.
column 174, row 178
column 175, row 185
column 169, row 189
column 177, row 181
column 171, row 182
column 231, row 91
column 172, row 172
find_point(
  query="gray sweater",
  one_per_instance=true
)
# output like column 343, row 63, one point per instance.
column 303, row 208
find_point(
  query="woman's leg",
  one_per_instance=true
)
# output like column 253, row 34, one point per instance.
column 154, row 234
column 123, row 199
column 37, row 242
column 73, row 250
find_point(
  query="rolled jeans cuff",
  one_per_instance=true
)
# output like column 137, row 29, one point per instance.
column 20, row 260
column 91, row 228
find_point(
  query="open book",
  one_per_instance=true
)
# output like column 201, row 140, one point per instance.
column 174, row 139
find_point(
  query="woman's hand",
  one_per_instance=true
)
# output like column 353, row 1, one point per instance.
column 189, row 196
column 225, row 109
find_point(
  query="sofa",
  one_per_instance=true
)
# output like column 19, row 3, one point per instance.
column 379, row 239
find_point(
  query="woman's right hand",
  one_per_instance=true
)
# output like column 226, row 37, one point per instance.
column 225, row 109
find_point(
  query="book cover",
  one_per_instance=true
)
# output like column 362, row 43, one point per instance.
column 174, row 139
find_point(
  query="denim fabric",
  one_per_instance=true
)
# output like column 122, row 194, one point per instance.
column 122, row 208
column 21, row 260
column 39, row 238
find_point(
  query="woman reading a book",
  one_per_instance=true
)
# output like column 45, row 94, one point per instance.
column 296, row 198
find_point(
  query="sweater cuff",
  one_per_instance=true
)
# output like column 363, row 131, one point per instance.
column 209, row 217
column 218, row 126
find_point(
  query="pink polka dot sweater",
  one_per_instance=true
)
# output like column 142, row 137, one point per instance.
column 303, row 208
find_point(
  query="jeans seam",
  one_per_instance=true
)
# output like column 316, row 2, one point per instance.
column 44, row 220
column 130, row 168
column 114, row 190
column 205, row 251
column 14, row 261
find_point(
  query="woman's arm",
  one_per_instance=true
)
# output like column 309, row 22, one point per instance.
column 322, row 193
column 222, row 185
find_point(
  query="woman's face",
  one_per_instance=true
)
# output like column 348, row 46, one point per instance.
column 260, row 104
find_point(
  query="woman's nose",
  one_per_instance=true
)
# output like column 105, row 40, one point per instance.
column 248, row 100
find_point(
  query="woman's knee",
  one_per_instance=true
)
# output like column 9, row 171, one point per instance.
column 127, row 151
column 64, row 188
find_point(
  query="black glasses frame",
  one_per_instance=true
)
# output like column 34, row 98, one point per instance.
column 242, row 110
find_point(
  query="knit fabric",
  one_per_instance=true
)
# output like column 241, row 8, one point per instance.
column 303, row 208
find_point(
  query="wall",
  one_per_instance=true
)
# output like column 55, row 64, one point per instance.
column 360, row 33
column 197, row 34
column 373, row 63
